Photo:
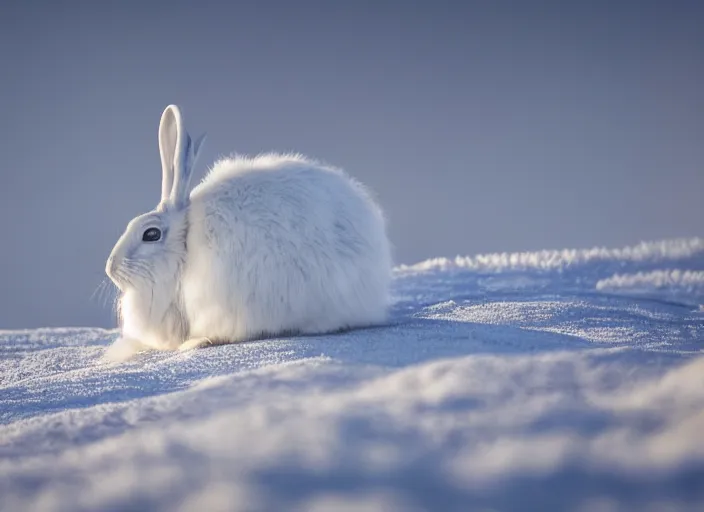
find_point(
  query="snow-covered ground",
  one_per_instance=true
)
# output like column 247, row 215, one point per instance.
column 557, row 380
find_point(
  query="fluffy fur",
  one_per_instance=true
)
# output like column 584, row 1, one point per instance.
column 263, row 246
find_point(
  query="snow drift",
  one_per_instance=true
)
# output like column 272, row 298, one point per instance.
column 556, row 380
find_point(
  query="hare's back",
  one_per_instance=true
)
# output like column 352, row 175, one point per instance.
column 287, row 195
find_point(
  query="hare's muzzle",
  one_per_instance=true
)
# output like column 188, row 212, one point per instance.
column 111, row 267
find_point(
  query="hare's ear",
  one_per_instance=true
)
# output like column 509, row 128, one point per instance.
column 183, row 169
column 178, row 156
column 170, row 128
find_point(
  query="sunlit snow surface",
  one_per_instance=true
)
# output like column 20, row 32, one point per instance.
column 557, row 380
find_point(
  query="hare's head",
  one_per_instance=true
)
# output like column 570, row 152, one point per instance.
column 153, row 245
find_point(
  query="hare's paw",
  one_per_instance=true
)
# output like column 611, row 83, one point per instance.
column 123, row 349
column 194, row 343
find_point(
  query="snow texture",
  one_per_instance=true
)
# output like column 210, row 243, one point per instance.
column 556, row 380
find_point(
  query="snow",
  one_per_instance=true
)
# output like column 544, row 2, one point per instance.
column 555, row 380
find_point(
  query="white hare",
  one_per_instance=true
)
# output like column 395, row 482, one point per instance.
column 263, row 246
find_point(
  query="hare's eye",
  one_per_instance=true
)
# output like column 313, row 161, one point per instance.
column 151, row 235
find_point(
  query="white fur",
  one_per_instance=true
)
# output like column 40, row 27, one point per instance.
column 263, row 246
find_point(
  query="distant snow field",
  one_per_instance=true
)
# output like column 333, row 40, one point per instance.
column 555, row 380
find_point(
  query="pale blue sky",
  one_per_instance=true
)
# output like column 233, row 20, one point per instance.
column 482, row 126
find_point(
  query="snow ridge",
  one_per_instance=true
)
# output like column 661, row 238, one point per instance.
column 654, row 279
column 653, row 251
